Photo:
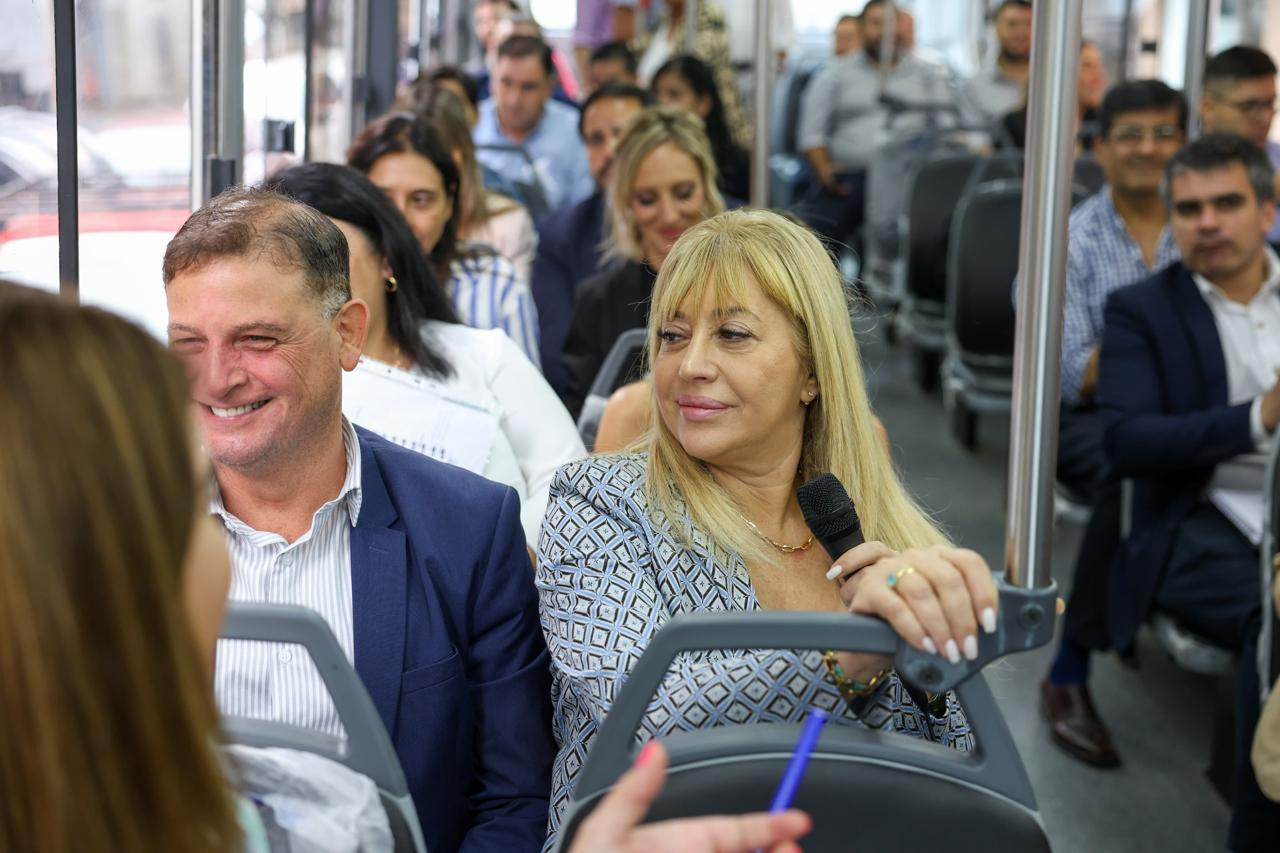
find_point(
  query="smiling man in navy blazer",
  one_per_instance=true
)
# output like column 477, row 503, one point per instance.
column 420, row 568
column 1189, row 369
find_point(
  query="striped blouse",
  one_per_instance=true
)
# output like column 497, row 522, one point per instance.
column 488, row 293
column 276, row 681
column 610, row 575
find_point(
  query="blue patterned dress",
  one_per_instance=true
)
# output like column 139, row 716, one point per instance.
column 611, row 574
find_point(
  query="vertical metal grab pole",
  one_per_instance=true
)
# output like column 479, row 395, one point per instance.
column 761, row 68
column 65, row 93
column 450, row 37
column 1197, row 53
column 1042, row 263
column 356, row 92
column 308, row 77
column 217, row 97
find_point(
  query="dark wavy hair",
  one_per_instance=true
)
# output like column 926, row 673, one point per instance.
column 698, row 75
column 407, row 133
column 341, row 192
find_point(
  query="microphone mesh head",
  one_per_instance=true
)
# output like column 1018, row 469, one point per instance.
column 825, row 504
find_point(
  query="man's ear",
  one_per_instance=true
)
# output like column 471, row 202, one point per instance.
column 1268, row 206
column 352, row 325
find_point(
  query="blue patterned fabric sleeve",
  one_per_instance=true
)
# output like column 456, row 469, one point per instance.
column 516, row 311
column 488, row 293
column 608, row 580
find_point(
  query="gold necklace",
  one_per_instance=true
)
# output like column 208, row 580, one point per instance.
column 786, row 549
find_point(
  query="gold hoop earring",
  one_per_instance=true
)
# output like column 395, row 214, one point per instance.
column 392, row 285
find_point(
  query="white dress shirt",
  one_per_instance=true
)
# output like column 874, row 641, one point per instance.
column 1250, row 337
column 278, row 681
column 535, row 434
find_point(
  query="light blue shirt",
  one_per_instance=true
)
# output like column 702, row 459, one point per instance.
column 1102, row 257
column 559, row 160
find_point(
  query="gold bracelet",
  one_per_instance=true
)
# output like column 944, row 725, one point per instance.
column 849, row 688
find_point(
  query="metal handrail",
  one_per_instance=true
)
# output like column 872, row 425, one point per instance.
column 1197, row 48
column 763, row 87
column 1055, row 73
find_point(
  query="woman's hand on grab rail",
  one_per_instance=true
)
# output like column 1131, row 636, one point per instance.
column 935, row 598
column 614, row 826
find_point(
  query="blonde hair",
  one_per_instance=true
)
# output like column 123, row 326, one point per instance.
column 108, row 739
column 724, row 255
column 647, row 130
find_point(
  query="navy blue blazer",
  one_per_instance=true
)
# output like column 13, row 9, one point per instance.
column 1163, row 379
column 448, row 644
column 568, row 253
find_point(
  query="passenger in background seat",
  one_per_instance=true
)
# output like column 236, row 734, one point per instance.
column 113, row 582
column 406, row 159
column 485, row 217
column 1116, row 238
column 1240, row 97
column 1011, row 130
column 842, row 120
column 570, row 239
column 670, row 37
column 443, row 77
column 999, row 87
column 522, row 113
column 419, row 567
column 611, row 63
column 847, row 35
column 664, row 183
column 485, row 15
column 686, row 81
column 1190, row 371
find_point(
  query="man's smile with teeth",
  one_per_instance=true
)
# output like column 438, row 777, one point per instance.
column 238, row 410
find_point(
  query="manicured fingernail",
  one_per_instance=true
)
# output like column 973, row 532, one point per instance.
column 953, row 651
column 834, row 572
column 646, row 754
column 989, row 620
column 971, row 647
column 929, row 646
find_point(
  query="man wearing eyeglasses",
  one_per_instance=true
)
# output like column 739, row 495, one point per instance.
column 1116, row 238
column 1240, row 98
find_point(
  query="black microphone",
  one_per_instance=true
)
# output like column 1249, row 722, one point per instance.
column 830, row 514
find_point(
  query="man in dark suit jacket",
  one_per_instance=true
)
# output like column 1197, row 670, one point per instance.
column 1189, row 370
column 569, row 238
column 419, row 568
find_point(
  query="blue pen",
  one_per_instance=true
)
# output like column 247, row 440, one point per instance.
column 799, row 760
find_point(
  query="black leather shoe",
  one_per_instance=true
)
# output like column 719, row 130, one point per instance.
column 1075, row 726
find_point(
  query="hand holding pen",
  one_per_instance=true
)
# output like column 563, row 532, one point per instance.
column 614, row 826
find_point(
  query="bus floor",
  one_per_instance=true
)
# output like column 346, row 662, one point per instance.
column 1159, row 715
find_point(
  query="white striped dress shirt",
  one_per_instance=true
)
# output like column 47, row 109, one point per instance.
column 1250, row 336
column 278, row 681
column 488, row 293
